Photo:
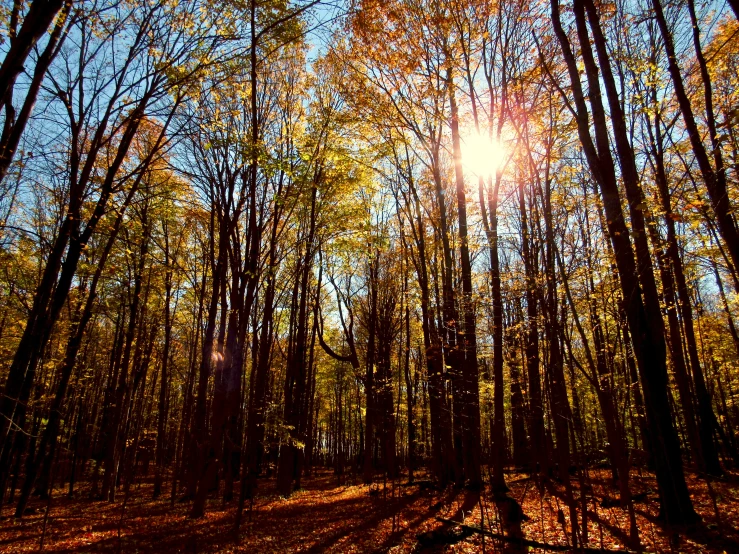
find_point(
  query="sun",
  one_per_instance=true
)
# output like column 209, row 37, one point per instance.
column 482, row 155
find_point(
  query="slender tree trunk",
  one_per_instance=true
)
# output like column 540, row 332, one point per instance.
column 646, row 325
column 468, row 337
column 713, row 177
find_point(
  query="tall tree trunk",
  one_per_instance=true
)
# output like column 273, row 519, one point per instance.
column 645, row 324
column 164, row 380
column 45, row 449
column 467, row 346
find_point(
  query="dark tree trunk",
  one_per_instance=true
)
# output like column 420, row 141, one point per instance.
column 645, row 324
column 467, row 345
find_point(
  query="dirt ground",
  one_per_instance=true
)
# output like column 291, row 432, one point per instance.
column 389, row 517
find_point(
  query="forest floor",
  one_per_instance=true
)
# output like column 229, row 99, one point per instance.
column 327, row 516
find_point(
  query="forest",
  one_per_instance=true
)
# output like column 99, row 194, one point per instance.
column 369, row 276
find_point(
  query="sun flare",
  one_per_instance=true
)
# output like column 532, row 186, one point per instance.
column 482, row 155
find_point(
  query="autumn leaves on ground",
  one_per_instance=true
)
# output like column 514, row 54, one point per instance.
column 387, row 517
